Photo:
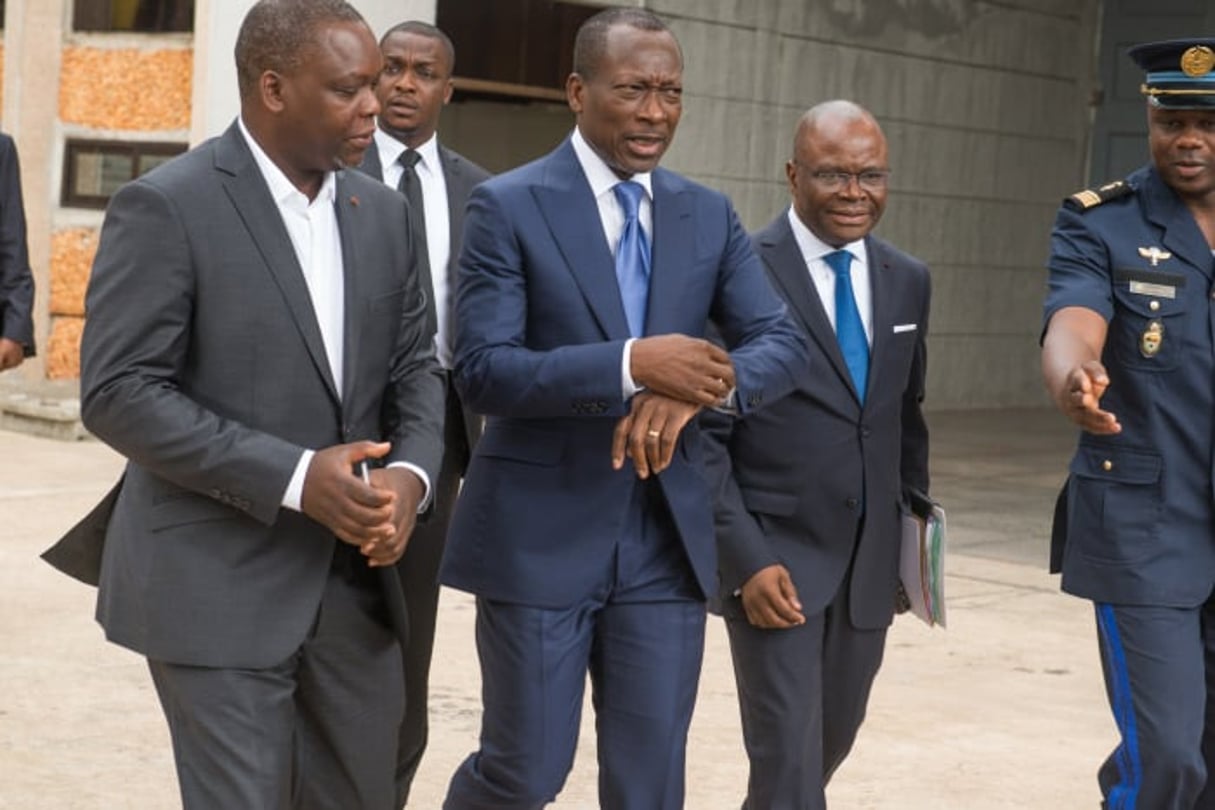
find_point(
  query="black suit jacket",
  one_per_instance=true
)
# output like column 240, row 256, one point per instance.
column 461, row 175
column 202, row 362
column 16, row 280
column 794, row 479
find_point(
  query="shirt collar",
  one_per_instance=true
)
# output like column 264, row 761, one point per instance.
column 814, row 248
column 597, row 172
column 391, row 150
column 283, row 190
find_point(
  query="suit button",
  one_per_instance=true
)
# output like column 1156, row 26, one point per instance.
column 1107, row 465
column 1153, row 305
column 852, row 503
column 865, row 431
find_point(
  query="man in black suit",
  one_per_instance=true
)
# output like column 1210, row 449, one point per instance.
column 414, row 87
column 811, row 489
column 16, row 280
column 255, row 333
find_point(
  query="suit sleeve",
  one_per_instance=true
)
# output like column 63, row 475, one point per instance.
column 16, row 279
column 497, row 371
column 768, row 351
column 136, row 344
column 414, row 402
column 914, row 452
column 742, row 548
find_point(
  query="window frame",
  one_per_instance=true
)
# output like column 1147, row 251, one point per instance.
column 133, row 150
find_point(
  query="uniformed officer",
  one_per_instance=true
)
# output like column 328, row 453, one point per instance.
column 1127, row 354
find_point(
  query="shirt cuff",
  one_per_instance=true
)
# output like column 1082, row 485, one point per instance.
column 729, row 404
column 295, row 487
column 628, row 386
column 420, row 473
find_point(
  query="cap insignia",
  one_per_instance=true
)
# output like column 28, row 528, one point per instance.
column 1197, row 61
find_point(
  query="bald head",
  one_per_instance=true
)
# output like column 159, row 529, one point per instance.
column 838, row 173
column 834, row 120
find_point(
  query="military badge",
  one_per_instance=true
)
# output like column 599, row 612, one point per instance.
column 1154, row 254
column 1150, row 340
column 1197, row 61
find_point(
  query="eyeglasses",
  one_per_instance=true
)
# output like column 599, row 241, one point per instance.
column 870, row 180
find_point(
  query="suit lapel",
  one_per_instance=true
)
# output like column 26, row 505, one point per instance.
column 371, row 162
column 565, row 201
column 671, row 245
column 1182, row 236
column 787, row 267
column 244, row 185
column 881, row 288
column 456, row 195
column 347, row 219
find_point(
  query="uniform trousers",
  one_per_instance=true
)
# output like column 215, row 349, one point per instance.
column 1159, row 668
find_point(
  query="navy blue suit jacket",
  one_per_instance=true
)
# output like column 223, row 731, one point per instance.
column 817, row 480
column 1140, row 510
column 540, row 335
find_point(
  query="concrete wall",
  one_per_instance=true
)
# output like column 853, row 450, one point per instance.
column 985, row 108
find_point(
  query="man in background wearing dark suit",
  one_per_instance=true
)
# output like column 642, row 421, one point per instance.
column 811, row 489
column 414, row 87
column 16, row 280
column 256, row 331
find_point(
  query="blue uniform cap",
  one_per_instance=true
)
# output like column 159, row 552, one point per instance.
column 1180, row 72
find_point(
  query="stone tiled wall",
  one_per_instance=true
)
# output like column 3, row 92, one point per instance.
column 126, row 89
column 114, row 91
column 985, row 107
column 72, row 251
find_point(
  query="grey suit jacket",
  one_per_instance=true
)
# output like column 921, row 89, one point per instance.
column 795, row 479
column 461, row 175
column 16, row 279
column 203, row 364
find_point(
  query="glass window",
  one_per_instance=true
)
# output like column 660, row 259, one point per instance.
column 133, row 15
column 93, row 170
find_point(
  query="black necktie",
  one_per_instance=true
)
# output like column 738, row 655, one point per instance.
column 411, row 187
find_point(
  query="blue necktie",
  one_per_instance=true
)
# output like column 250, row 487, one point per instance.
column 849, row 329
column 632, row 257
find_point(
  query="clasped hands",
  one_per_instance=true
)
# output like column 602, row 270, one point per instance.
column 377, row 515
column 680, row 375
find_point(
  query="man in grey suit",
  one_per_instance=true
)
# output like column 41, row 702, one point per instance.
column 413, row 89
column 16, row 280
column 812, row 488
column 256, row 332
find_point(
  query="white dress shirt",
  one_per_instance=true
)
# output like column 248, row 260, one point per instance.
column 429, row 171
column 813, row 250
column 602, row 180
column 313, row 228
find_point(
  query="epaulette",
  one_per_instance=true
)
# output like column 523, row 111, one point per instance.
column 1092, row 197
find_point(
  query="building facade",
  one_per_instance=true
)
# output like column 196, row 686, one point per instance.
column 991, row 108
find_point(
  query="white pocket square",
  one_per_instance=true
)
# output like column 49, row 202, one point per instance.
column 904, row 327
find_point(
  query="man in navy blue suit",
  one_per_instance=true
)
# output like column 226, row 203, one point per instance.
column 1128, row 355
column 586, row 281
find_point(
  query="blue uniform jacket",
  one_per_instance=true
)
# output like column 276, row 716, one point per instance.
column 1140, row 511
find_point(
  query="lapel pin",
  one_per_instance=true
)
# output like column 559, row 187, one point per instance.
column 1154, row 254
column 355, row 202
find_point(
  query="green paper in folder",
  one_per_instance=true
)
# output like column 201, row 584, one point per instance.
column 922, row 558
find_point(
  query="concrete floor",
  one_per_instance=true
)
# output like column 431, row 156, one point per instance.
column 1003, row 710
